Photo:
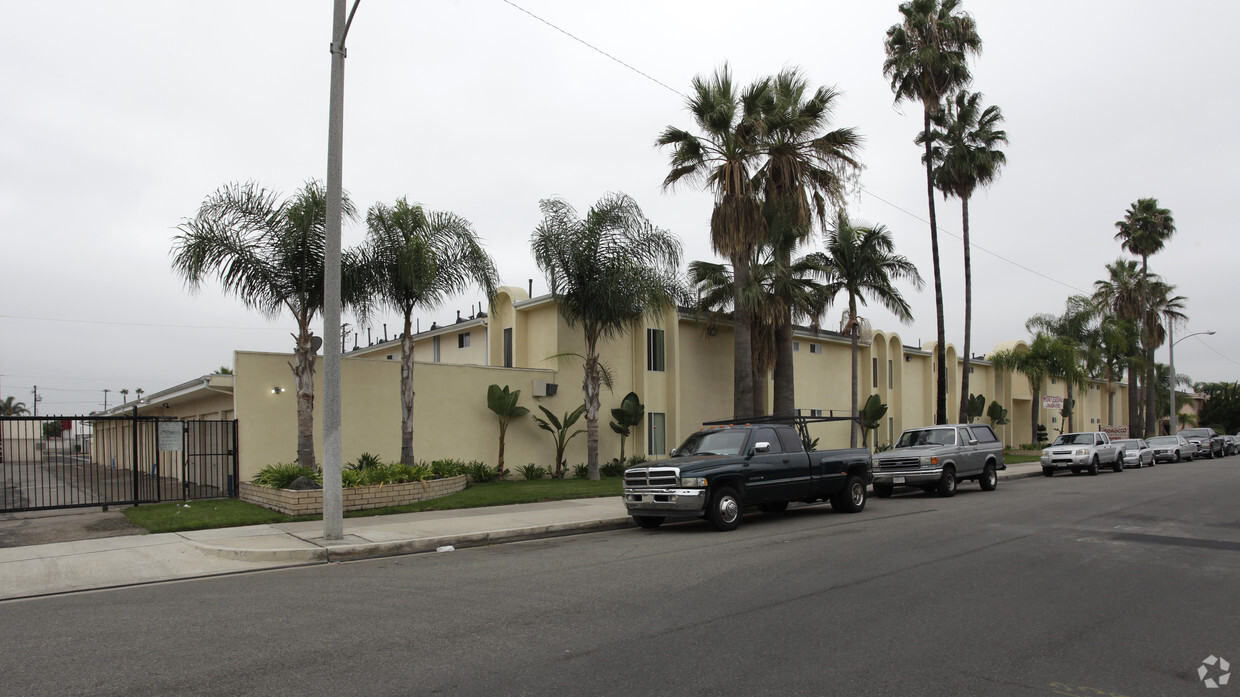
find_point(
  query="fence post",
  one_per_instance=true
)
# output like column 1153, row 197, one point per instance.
column 235, row 487
column 133, row 466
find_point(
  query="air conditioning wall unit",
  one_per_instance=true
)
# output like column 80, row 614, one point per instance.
column 543, row 388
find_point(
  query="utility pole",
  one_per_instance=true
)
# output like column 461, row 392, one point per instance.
column 36, row 400
column 333, row 451
column 105, row 398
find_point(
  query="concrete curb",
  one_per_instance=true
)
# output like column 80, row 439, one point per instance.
column 326, row 553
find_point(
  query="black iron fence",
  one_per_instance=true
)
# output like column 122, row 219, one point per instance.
column 86, row 461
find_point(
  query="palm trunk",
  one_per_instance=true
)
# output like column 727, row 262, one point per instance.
column 1151, row 394
column 742, row 332
column 1134, row 423
column 785, row 381
column 759, row 393
column 406, row 396
column 1110, row 396
column 940, row 400
column 854, row 426
column 1071, row 417
column 968, row 314
column 591, row 388
column 303, row 380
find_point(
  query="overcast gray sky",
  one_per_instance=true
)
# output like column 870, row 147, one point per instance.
column 120, row 117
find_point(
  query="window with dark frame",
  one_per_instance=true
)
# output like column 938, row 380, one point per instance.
column 655, row 353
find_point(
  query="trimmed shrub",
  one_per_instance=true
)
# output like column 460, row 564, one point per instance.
column 532, row 471
column 615, row 468
column 281, row 474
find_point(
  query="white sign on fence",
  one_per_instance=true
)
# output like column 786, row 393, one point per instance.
column 1052, row 402
column 170, row 435
column 1115, row 432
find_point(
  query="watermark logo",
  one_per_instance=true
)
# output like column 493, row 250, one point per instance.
column 1220, row 668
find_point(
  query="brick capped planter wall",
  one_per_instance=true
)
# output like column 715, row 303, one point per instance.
column 358, row 498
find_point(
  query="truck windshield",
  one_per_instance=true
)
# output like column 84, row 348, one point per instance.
column 1075, row 439
column 713, row 443
column 927, row 436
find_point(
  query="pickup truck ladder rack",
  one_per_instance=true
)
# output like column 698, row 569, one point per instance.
column 801, row 423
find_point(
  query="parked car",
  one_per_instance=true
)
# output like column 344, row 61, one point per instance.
column 1086, row 450
column 1136, row 452
column 720, row 470
column 1172, row 448
column 935, row 458
column 1209, row 444
column 1231, row 445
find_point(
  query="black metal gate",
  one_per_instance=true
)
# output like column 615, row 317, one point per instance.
column 51, row 462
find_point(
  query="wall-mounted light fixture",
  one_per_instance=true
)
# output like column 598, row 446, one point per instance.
column 277, row 390
column 908, row 358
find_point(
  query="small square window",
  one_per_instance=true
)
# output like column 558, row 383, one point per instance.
column 462, row 340
column 815, row 348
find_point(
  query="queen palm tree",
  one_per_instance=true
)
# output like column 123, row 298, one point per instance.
column 414, row 259
column 1036, row 361
column 965, row 153
column 722, row 159
column 11, row 407
column 269, row 253
column 861, row 263
column 1163, row 308
column 1119, row 296
column 1074, row 331
column 927, row 59
column 1144, row 231
column 606, row 271
column 806, row 168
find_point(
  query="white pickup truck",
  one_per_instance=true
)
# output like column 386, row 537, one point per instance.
column 1082, row 451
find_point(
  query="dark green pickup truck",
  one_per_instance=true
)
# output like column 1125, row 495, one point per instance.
column 722, row 469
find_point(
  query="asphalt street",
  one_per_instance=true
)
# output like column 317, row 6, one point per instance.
column 1119, row 584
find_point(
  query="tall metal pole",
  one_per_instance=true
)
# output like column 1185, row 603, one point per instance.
column 333, row 455
column 1171, row 360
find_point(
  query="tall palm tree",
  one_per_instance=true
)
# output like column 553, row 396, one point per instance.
column 862, row 262
column 606, row 271
column 1119, row 296
column 269, row 253
column 1144, row 231
column 806, row 168
column 1162, row 309
column 11, row 407
column 927, row 59
column 1039, row 360
column 414, row 259
column 965, row 153
column 722, row 159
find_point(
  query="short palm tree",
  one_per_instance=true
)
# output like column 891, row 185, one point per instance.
column 503, row 403
column 862, row 262
column 1144, row 231
column 414, row 259
column 269, row 253
column 927, row 60
column 11, row 407
column 722, row 159
column 626, row 417
column 1044, row 357
column 806, row 168
column 1074, row 330
column 606, row 272
column 965, row 152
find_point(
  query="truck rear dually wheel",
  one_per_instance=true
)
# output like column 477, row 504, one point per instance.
column 852, row 498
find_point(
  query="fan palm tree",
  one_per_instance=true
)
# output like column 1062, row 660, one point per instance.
column 606, row 271
column 722, row 159
column 927, row 60
column 965, row 153
column 11, row 407
column 861, row 263
column 806, row 168
column 414, row 259
column 1144, row 231
column 269, row 253
column 1119, row 296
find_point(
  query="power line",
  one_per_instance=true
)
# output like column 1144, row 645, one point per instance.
column 138, row 324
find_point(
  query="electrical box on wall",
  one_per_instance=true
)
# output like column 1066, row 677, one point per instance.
column 545, row 389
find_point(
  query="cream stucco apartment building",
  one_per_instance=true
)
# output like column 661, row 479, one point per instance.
column 681, row 371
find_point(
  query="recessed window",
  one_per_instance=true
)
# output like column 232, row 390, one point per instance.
column 874, row 371
column 891, row 375
column 656, row 433
column 435, row 349
column 815, row 348
column 796, row 346
column 462, row 340
column 655, row 357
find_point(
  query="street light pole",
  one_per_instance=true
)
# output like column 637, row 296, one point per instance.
column 1171, row 342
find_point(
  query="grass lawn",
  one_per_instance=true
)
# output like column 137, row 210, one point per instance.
column 1018, row 458
column 227, row 513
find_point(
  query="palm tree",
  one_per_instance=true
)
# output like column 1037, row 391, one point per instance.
column 1074, row 331
column 269, row 253
column 927, row 59
column 606, row 272
column 503, row 403
column 1119, row 296
column 965, row 153
column 1162, row 309
column 722, row 160
column 805, row 169
column 11, row 407
column 1144, row 231
column 414, row 259
column 1040, row 359
column 124, row 395
column 862, row 263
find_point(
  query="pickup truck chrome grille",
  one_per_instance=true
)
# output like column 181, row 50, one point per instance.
column 652, row 476
column 899, row 463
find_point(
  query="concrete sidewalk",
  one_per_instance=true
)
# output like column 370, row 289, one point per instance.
column 64, row 567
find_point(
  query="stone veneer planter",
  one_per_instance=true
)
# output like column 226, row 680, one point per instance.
column 356, row 498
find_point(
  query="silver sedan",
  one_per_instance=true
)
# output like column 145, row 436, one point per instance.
column 1137, row 453
column 1172, row 448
